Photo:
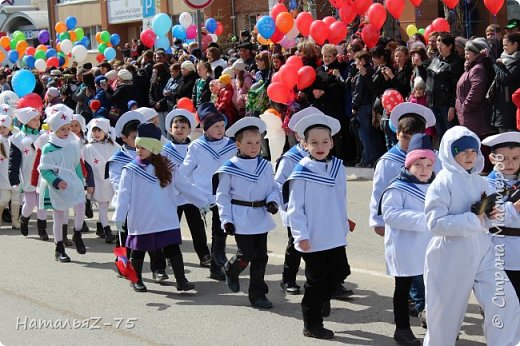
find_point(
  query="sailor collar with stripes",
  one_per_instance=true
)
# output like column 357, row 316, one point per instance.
column 209, row 146
column 317, row 171
column 233, row 167
column 142, row 170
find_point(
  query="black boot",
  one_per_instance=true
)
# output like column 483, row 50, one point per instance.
column 177, row 264
column 60, row 254
column 24, row 225
column 232, row 269
column 42, row 230
column 66, row 240
column 78, row 242
column 405, row 337
column 6, row 215
column 138, row 266
column 109, row 237
column 89, row 214
column 84, row 228
column 100, row 232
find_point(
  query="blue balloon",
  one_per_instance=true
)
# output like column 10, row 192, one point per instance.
column 71, row 22
column 23, row 82
column 85, row 41
column 12, row 56
column 178, row 31
column 110, row 53
column 61, row 60
column 169, row 50
column 114, row 39
column 161, row 24
column 211, row 25
column 162, row 42
column 266, row 26
column 50, row 53
column 29, row 61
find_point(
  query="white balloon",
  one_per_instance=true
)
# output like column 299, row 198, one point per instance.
column 79, row 53
column 66, row 46
column 214, row 37
column 10, row 98
column 293, row 32
column 275, row 134
column 40, row 65
column 185, row 19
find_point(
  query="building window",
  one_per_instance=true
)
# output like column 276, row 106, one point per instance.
column 90, row 32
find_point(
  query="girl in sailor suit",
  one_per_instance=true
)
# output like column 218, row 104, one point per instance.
column 7, row 192
column 22, row 154
column 406, row 234
column 96, row 154
column 460, row 257
column 318, row 219
column 62, row 185
column 246, row 192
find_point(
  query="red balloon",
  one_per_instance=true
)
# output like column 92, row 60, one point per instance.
column 186, row 103
column 30, row 100
column 338, row 32
column 276, row 78
column 427, row 31
column 329, row 20
column 451, row 4
column 277, row 36
column 395, row 7
column 416, row 3
column 390, row 99
column 220, row 28
column 319, row 32
column 100, row 58
column 303, row 23
column 289, row 74
column 348, row 13
column 494, row 6
column 277, row 9
column 362, row 6
column 377, row 15
column 370, row 35
column 440, row 25
column 295, row 61
column 338, row 3
column 306, row 76
column 278, row 92
column 30, row 51
column 94, row 105
column 148, row 37
column 53, row 62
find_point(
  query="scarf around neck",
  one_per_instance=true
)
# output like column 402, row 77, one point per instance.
column 510, row 59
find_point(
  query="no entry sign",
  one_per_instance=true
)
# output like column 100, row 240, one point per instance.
column 198, row 4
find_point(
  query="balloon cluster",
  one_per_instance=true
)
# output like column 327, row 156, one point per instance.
column 106, row 43
column 71, row 42
column 292, row 74
column 280, row 27
column 438, row 25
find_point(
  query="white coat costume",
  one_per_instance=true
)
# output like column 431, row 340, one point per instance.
column 97, row 154
column 246, row 180
column 176, row 153
column 460, row 257
column 317, row 206
column 25, row 143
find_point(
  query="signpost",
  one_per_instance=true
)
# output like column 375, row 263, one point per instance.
column 148, row 13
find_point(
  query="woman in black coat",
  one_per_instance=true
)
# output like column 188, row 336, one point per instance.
column 189, row 76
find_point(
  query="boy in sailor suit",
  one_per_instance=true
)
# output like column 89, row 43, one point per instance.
column 205, row 156
column 22, row 154
column 179, row 123
column 317, row 187
column 245, row 193
column 505, row 156
column 126, row 129
column 460, row 257
column 406, row 234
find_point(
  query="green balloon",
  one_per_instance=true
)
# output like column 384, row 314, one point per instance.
column 18, row 36
column 102, row 47
column 79, row 33
column 13, row 44
column 421, row 31
column 64, row 36
column 61, row 54
column 40, row 54
column 105, row 36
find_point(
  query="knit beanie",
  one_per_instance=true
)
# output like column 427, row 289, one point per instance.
column 464, row 143
column 149, row 137
column 209, row 115
column 420, row 147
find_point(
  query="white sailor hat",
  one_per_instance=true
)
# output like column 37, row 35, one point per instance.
column 81, row 120
column 26, row 114
column 316, row 120
column 505, row 139
column 148, row 113
column 58, row 107
column 302, row 114
column 412, row 108
column 125, row 119
column 6, row 120
column 178, row 112
column 244, row 124
column 57, row 120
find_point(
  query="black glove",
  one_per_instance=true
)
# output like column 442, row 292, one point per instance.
column 229, row 228
column 486, row 204
column 272, row 207
column 89, row 214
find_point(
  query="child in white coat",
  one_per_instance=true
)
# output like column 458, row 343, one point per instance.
column 460, row 257
column 245, row 193
column 7, row 192
column 406, row 234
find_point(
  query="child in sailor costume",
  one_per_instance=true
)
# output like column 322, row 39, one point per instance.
column 406, row 234
column 151, row 116
column 179, row 123
column 460, row 257
column 147, row 195
column 205, row 156
column 317, row 187
column 245, row 193
column 22, row 154
column 505, row 155
column 7, row 192
column 62, row 185
column 126, row 130
column 96, row 154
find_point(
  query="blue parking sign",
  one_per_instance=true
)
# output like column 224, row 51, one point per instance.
column 148, row 8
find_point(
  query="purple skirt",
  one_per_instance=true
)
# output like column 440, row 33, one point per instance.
column 154, row 241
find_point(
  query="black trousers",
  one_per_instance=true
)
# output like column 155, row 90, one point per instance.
column 169, row 251
column 514, row 277
column 196, row 226
column 401, row 291
column 292, row 261
column 218, row 243
column 252, row 250
column 324, row 271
